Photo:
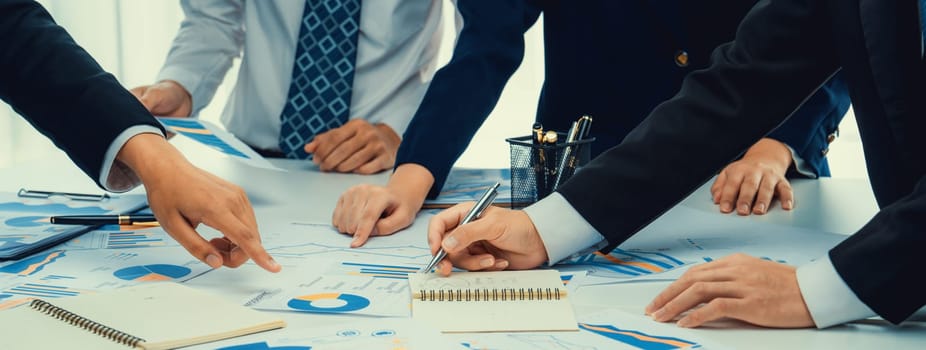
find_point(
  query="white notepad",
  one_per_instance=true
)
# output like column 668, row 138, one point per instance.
column 153, row 316
column 504, row 301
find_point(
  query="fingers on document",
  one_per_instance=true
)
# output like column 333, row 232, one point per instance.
column 729, row 191
column 747, row 193
column 232, row 256
column 785, row 195
column 246, row 237
column 178, row 228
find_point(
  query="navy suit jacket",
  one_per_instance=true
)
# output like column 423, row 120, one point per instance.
column 52, row 82
column 613, row 60
column 784, row 50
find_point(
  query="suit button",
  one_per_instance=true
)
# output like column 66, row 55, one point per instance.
column 830, row 138
column 681, row 58
column 825, row 151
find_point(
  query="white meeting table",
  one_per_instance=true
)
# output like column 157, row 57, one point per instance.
column 305, row 194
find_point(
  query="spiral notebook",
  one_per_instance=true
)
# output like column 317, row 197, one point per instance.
column 152, row 316
column 503, row 301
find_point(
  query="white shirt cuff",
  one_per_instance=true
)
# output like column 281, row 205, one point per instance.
column 828, row 298
column 800, row 165
column 563, row 230
column 115, row 175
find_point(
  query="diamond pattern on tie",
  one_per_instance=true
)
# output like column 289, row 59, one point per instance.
column 922, row 27
column 323, row 73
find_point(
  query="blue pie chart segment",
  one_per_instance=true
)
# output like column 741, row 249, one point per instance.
column 264, row 346
column 152, row 273
column 329, row 303
column 27, row 221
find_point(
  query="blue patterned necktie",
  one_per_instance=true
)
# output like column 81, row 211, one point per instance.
column 922, row 26
column 323, row 73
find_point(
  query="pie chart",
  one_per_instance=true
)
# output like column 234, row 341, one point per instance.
column 264, row 346
column 151, row 273
column 329, row 303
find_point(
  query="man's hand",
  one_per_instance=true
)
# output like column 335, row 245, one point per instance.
column 165, row 99
column 369, row 210
column 742, row 287
column 356, row 147
column 755, row 179
column 500, row 239
column 183, row 196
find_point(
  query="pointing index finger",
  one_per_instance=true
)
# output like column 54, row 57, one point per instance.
column 247, row 239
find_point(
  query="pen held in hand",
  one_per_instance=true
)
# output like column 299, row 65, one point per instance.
column 473, row 214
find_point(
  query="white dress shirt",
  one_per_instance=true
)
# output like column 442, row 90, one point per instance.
column 396, row 58
column 565, row 232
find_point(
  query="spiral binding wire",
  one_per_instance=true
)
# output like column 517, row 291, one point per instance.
column 89, row 325
column 493, row 294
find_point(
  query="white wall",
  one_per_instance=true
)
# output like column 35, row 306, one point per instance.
column 131, row 39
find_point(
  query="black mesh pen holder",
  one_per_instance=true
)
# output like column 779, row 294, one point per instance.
column 537, row 169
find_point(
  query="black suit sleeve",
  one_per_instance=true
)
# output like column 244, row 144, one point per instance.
column 463, row 93
column 52, row 82
column 782, row 53
column 882, row 262
column 808, row 129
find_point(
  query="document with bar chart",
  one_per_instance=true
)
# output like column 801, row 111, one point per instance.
column 213, row 137
column 24, row 225
column 122, row 237
column 393, row 334
column 610, row 329
column 107, row 269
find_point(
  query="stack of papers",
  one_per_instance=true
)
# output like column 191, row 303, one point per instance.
column 464, row 185
column 24, row 226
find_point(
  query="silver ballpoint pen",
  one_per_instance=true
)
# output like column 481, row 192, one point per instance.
column 473, row 214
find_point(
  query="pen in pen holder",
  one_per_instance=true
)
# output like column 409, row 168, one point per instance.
column 535, row 166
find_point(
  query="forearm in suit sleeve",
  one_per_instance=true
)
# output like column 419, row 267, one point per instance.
column 52, row 82
column 807, row 130
column 463, row 93
column 782, row 53
column 882, row 262
column 211, row 36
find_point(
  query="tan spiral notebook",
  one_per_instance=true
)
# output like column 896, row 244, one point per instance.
column 153, row 316
column 503, row 301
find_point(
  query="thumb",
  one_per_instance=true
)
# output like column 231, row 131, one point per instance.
column 393, row 222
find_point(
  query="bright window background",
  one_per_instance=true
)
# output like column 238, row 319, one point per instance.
column 131, row 40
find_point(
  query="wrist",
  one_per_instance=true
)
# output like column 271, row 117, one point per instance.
column 772, row 152
column 412, row 182
column 181, row 97
column 146, row 153
column 175, row 86
column 533, row 232
column 389, row 133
